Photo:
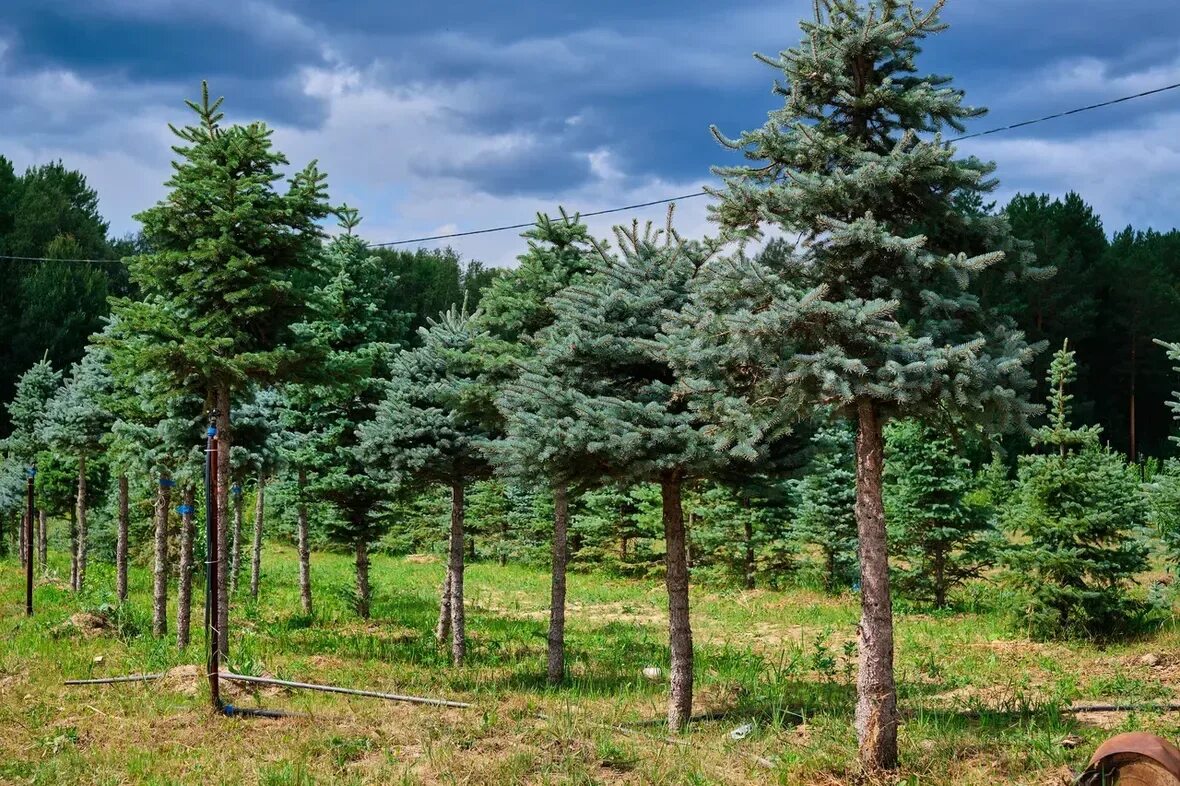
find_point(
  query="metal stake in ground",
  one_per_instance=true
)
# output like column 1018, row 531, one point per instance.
column 31, row 472
column 212, row 634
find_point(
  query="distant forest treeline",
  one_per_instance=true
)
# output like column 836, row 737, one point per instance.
column 1111, row 296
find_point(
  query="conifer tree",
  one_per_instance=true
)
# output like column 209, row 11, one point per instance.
column 514, row 310
column 826, row 517
column 356, row 335
column 600, row 402
column 433, row 427
column 223, row 284
column 941, row 532
column 871, row 312
column 34, row 389
column 1078, row 512
column 75, row 421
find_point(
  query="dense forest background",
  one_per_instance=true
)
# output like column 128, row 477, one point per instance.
column 1114, row 292
column 53, row 292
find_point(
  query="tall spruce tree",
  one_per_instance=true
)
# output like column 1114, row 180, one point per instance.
column 34, row 389
column 600, row 402
column 75, row 421
column 357, row 335
column 872, row 312
column 514, row 310
column 1078, row 513
column 223, row 284
column 941, row 530
column 826, row 517
column 433, row 427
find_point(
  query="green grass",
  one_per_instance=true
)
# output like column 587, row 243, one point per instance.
column 980, row 704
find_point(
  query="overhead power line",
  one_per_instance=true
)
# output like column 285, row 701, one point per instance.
column 696, row 194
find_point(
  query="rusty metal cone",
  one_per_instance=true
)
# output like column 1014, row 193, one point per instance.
column 1133, row 759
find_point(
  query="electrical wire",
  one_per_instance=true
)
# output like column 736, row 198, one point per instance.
column 696, row 194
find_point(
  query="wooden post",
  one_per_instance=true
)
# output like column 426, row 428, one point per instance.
column 29, row 541
column 212, row 634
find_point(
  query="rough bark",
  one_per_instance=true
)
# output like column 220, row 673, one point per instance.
column 442, row 630
column 160, row 571
column 876, row 693
column 121, row 540
column 557, row 591
column 80, row 514
column 225, row 445
column 304, row 546
column 364, row 593
column 256, row 559
column 73, row 548
column 458, row 620
column 184, row 592
column 235, row 563
column 679, row 627
column 751, row 565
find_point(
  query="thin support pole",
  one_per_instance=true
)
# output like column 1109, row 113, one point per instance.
column 112, row 680
column 346, row 691
column 31, row 472
column 212, row 634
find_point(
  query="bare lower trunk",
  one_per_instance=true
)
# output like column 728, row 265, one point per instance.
column 557, row 593
column 121, row 541
column 256, row 560
column 73, row 549
column 679, row 628
column 43, row 540
column 364, row 594
column 304, row 548
column 160, row 575
column 80, row 513
column 235, row 559
column 876, row 693
column 442, row 630
column 458, row 621
column 751, row 567
column 225, row 445
column 184, row 592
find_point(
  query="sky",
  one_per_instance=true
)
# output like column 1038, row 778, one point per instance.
column 462, row 114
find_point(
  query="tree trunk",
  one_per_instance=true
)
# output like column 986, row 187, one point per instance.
column 502, row 555
column 876, row 693
column 304, row 548
column 225, row 445
column 259, row 513
column 235, row 566
column 43, row 540
column 160, row 575
column 81, row 516
column 679, row 626
column 442, row 631
column 561, row 515
column 184, row 592
column 458, row 622
column 751, row 567
column 364, row 593
column 73, row 549
column 121, row 541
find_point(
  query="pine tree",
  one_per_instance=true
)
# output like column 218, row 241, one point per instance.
column 826, row 517
column 514, row 310
column 872, row 311
column 223, row 284
column 1164, row 489
column 433, row 427
column 34, row 389
column 1077, row 511
column 356, row 335
column 600, row 402
column 75, row 421
column 941, row 531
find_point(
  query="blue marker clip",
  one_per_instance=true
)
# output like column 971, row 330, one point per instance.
column 167, row 482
